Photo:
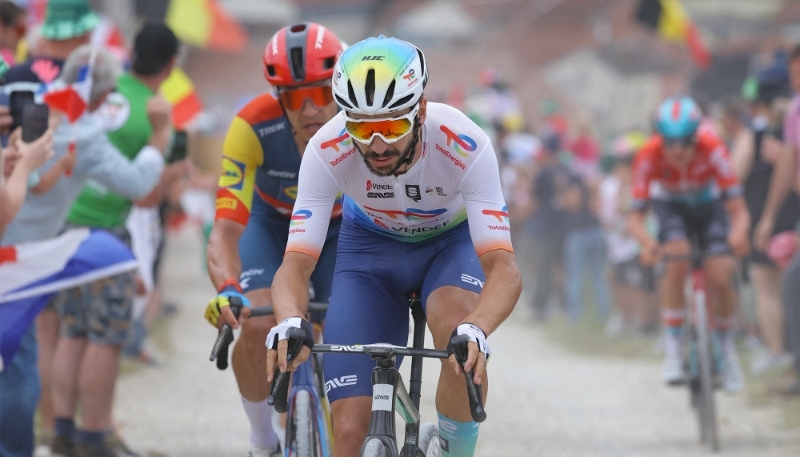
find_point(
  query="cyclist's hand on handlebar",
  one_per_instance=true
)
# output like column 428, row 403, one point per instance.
column 478, row 350
column 220, row 305
column 650, row 253
column 277, row 345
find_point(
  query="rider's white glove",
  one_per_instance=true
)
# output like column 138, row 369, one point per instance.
column 279, row 332
column 476, row 335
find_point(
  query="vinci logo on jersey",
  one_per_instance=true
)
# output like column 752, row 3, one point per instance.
column 412, row 214
column 342, row 140
column 232, row 174
column 463, row 144
column 299, row 216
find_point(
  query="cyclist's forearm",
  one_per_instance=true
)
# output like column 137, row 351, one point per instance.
column 637, row 228
column 784, row 176
column 290, row 285
column 739, row 214
column 500, row 292
column 222, row 257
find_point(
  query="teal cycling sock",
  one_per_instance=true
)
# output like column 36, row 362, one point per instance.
column 458, row 439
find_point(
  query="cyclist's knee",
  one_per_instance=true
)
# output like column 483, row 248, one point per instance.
column 254, row 334
column 676, row 271
column 351, row 418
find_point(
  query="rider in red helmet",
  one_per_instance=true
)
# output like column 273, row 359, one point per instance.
column 256, row 193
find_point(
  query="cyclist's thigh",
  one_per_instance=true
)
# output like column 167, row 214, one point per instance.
column 362, row 310
column 673, row 223
column 713, row 228
column 455, row 264
column 261, row 249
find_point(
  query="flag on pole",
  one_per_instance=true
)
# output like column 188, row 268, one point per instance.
column 31, row 273
column 179, row 90
column 670, row 20
column 73, row 99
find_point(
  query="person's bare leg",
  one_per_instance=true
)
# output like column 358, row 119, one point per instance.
column 767, row 282
column 67, row 362
column 47, row 340
column 98, row 378
column 350, row 425
column 722, row 296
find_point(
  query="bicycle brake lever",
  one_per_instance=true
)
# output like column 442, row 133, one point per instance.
column 459, row 344
column 279, row 391
column 219, row 351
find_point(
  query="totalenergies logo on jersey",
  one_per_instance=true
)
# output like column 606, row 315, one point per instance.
column 463, row 144
column 232, row 176
column 342, row 140
column 412, row 214
column 299, row 216
column 502, row 215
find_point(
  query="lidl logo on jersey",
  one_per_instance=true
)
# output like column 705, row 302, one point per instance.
column 462, row 143
column 291, row 192
column 232, row 174
column 343, row 140
column 299, row 216
column 502, row 215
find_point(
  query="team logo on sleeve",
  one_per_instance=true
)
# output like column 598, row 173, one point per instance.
column 501, row 216
column 342, row 140
column 232, row 174
column 462, row 144
column 299, row 216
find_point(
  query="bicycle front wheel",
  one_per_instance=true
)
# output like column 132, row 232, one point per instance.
column 706, row 408
column 374, row 448
column 303, row 422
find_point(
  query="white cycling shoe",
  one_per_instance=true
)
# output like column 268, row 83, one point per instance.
column 732, row 377
column 672, row 370
column 258, row 452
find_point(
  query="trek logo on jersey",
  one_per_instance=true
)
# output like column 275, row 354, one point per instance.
column 471, row 280
column 265, row 131
column 343, row 381
column 463, row 144
column 299, row 216
column 232, row 174
column 410, row 213
column 502, row 215
column 438, row 191
column 413, row 192
column 342, row 140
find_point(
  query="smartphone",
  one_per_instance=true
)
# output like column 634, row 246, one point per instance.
column 17, row 101
column 35, row 119
column 179, row 147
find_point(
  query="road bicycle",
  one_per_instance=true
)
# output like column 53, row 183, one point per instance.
column 389, row 393
column 308, row 415
column 700, row 354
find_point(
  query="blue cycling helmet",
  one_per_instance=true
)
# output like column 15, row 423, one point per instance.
column 678, row 118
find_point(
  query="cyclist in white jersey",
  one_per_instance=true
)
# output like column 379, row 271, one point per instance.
column 423, row 212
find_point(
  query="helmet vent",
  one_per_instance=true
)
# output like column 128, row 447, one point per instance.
column 402, row 101
column 351, row 93
column 369, row 87
column 389, row 94
column 422, row 68
column 271, row 71
column 327, row 64
column 298, row 69
column 343, row 102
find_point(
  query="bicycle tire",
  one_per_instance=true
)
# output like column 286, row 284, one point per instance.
column 706, row 405
column 305, row 436
column 374, row 448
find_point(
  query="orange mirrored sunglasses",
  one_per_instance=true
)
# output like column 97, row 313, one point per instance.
column 390, row 130
column 293, row 99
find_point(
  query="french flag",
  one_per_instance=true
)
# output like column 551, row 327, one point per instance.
column 31, row 274
column 73, row 99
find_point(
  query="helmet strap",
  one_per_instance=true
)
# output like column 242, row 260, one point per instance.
column 412, row 147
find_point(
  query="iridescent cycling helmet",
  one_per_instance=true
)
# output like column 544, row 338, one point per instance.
column 300, row 54
column 379, row 76
column 678, row 118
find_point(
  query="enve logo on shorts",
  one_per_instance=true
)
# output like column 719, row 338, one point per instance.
column 348, row 380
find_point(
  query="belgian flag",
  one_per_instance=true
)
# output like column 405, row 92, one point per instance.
column 670, row 21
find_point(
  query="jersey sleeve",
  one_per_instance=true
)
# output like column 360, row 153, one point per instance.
column 720, row 161
column 241, row 156
column 317, row 191
column 487, row 213
column 643, row 170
